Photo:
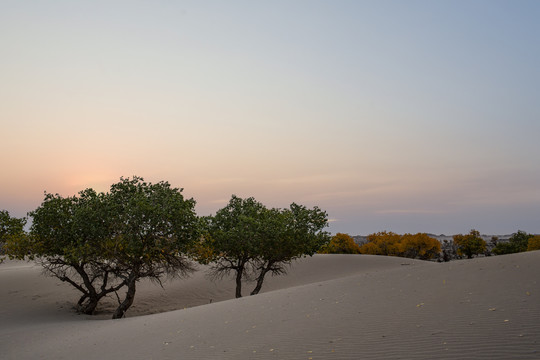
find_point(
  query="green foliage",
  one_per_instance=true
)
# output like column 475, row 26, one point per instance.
column 470, row 244
column 152, row 227
column 503, row 248
column 150, row 223
column 68, row 237
column 293, row 232
column 73, row 228
column 290, row 233
column 234, row 234
column 518, row 242
column 11, row 230
column 101, row 242
column 341, row 244
column 247, row 238
column 237, row 229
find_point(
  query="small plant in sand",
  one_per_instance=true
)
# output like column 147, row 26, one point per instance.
column 250, row 240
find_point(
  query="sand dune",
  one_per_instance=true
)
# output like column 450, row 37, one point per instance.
column 328, row 307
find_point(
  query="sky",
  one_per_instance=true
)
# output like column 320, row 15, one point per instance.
column 405, row 116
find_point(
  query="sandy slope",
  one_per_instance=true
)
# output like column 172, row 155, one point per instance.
column 329, row 306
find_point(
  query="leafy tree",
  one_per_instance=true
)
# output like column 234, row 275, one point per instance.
column 534, row 243
column 100, row 243
column 503, row 248
column 408, row 245
column 11, row 228
column 419, row 246
column 382, row 243
column 234, row 234
column 341, row 244
column 152, row 228
column 470, row 244
column 370, row 248
column 518, row 242
column 289, row 234
column 67, row 238
column 250, row 240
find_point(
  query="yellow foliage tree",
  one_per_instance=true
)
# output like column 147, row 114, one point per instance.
column 370, row 249
column 419, row 246
column 412, row 246
column 202, row 252
column 534, row 243
column 341, row 244
column 382, row 243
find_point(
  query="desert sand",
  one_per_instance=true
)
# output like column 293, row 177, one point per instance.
column 327, row 307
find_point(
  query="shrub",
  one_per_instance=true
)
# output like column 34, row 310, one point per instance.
column 419, row 245
column 470, row 244
column 341, row 244
column 518, row 242
column 534, row 243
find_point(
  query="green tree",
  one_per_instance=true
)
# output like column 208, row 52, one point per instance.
column 341, row 244
column 518, row 242
column 100, row 243
column 68, row 237
column 11, row 228
column 469, row 244
column 152, row 228
column 288, row 234
column 250, row 240
column 234, row 234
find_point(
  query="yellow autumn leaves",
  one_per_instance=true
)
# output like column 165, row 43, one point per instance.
column 386, row 243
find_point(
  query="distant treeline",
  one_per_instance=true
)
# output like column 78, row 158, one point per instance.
column 425, row 247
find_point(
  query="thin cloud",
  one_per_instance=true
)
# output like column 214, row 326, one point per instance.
column 408, row 211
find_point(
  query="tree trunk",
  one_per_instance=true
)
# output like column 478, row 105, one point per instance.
column 88, row 307
column 260, row 280
column 81, row 300
column 239, row 273
column 120, row 311
column 90, row 295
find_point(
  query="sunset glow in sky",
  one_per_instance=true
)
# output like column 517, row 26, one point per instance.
column 405, row 116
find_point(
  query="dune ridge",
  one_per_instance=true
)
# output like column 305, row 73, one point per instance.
column 328, row 307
